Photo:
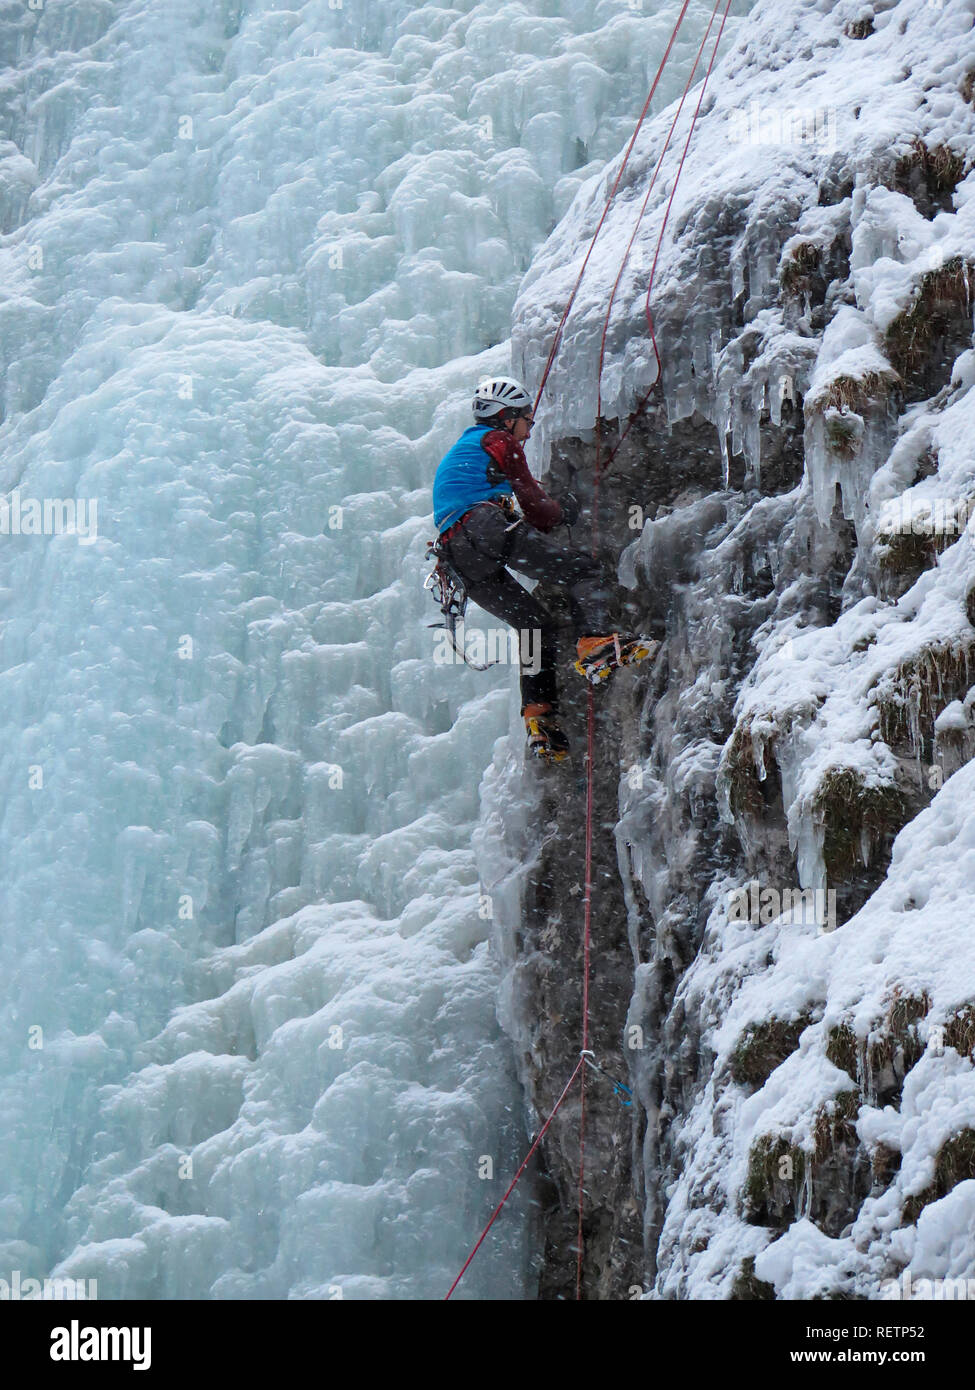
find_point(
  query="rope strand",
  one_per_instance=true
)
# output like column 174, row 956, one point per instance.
column 557, row 340
column 586, row 940
column 653, row 269
column 636, row 227
column 580, row 1066
column 598, row 470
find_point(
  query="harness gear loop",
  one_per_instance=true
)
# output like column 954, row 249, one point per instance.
column 449, row 588
column 449, row 591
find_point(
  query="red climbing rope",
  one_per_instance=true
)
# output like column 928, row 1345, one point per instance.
column 586, row 942
column 636, row 227
column 591, row 718
column 556, row 341
column 653, row 269
column 598, row 470
column 580, row 1066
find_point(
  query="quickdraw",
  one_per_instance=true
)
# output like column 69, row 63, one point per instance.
column 449, row 592
column 449, row 589
column 624, row 1092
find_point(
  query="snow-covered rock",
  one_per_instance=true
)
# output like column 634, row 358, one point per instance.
column 800, row 482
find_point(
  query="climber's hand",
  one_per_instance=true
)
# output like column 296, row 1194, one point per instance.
column 570, row 509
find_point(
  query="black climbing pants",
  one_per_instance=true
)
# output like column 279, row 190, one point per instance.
column 483, row 550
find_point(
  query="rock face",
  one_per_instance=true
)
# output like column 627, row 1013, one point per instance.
column 784, row 851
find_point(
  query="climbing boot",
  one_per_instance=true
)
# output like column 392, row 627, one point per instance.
column 598, row 657
column 545, row 737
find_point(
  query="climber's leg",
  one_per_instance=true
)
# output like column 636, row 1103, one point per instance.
column 583, row 578
column 503, row 597
column 476, row 552
column 600, row 648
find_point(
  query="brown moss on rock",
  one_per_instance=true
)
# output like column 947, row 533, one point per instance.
column 906, row 1012
column 896, row 1045
column 859, row 28
column 764, row 1046
column 880, row 1063
column 844, row 433
column 955, row 1163
column 904, row 549
column 834, row 1177
column 856, row 394
column 927, row 464
column 903, row 556
column 744, row 786
column 910, row 699
column 929, row 175
column 859, row 820
column 834, row 1124
column 798, row 272
column 842, row 1048
column 747, row 1286
column 959, row 1031
column 923, row 341
column 748, row 793
column 776, row 1170
column 885, row 1162
column 840, row 1169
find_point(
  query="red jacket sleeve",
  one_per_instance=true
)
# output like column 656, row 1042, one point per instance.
column 540, row 510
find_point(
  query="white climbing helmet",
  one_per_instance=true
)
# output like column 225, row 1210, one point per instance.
column 497, row 393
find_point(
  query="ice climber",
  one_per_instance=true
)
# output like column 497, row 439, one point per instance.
column 482, row 537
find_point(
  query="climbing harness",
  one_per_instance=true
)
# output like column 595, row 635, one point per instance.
column 449, row 592
column 587, row 1059
column 448, row 587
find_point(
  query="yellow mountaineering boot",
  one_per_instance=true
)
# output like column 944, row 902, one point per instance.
column 545, row 737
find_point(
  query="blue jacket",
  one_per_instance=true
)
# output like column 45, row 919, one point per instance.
column 462, row 478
